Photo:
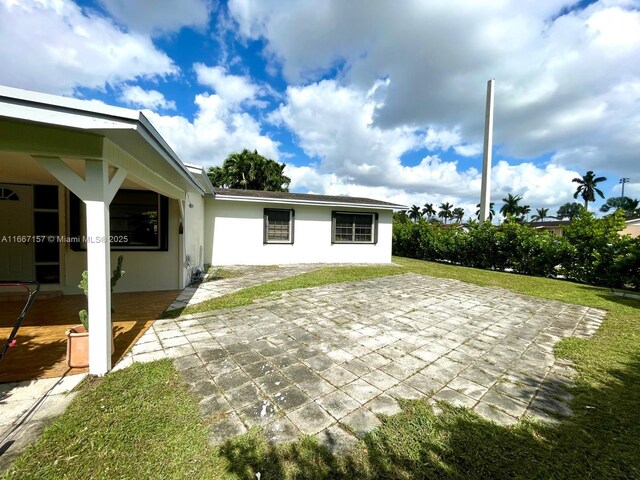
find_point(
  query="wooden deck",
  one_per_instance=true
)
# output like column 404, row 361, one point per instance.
column 41, row 343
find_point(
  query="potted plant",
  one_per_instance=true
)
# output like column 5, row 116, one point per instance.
column 78, row 336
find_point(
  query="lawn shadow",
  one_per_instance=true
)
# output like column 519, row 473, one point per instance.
column 252, row 454
column 600, row 440
column 626, row 301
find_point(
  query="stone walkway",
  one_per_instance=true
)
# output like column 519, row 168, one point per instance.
column 244, row 276
column 313, row 361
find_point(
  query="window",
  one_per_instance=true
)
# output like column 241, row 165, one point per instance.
column 138, row 220
column 134, row 217
column 354, row 227
column 278, row 225
column 8, row 194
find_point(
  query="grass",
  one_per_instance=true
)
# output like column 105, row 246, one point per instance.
column 216, row 273
column 314, row 278
column 142, row 423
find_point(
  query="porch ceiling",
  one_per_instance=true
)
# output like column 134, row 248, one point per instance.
column 21, row 168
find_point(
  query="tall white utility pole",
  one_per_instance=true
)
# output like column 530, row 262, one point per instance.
column 485, row 194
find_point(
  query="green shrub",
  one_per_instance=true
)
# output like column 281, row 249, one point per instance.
column 595, row 244
column 591, row 250
column 627, row 263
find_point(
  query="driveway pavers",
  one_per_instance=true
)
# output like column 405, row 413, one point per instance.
column 328, row 360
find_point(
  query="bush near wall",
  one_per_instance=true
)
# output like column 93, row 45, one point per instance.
column 591, row 250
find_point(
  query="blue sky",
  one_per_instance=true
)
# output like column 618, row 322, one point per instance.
column 378, row 99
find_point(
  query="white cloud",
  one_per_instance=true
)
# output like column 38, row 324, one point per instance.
column 233, row 89
column 53, row 46
column 355, row 157
column 559, row 78
column 215, row 132
column 334, row 123
column 155, row 16
column 136, row 96
column 442, row 139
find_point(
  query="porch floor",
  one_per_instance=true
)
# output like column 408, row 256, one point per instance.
column 41, row 343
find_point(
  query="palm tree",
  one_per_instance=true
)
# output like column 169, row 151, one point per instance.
column 523, row 211
column 414, row 213
column 458, row 214
column 627, row 205
column 587, row 187
column 569, row 210
column 541, row 215
column 445, row 211
column 428, row 210
column 492, row 212
column 511, row 206
column 250, row 171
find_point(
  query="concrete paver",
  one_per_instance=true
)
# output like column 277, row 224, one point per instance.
column 328, row 360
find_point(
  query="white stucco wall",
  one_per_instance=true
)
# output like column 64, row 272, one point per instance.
column 145, row 270
column 234, row 236
column 193, row 236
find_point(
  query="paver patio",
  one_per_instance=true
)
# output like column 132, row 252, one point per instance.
column 244, row 276
column 312, row 361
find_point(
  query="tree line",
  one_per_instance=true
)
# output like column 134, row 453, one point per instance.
column 591, row 250
column 587, row 189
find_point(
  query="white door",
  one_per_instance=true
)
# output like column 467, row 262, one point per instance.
column 16, row 230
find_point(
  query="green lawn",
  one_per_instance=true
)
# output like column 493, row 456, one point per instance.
column 142, row 423
column 322, row 276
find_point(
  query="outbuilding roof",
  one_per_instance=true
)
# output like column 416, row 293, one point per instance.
column 302, row 198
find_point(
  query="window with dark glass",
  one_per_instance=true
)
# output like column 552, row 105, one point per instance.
column 135, row 218
column 46, row 221
column 8, row 194
column 278, row 225
column 138, row 220
column 354, row 227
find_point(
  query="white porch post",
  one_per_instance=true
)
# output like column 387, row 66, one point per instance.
column 98, row 267
column 96, row 190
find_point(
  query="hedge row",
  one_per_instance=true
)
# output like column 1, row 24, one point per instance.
column 591, row 250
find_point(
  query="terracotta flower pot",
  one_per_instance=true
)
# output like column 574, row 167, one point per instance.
column 78, row 347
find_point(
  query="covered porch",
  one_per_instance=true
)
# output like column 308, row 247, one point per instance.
column 41, row 344
column 63, row 165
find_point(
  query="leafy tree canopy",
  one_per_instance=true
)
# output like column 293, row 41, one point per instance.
column 250, row 171
column 630, row 207
column 569, row 211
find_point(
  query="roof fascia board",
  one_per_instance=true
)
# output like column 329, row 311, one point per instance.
column 74, row 113
column 318, row 203
column 151, row 135
column 50, row 140
column 44, row 100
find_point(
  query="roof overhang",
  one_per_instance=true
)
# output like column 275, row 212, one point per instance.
column 283, row 201
column 128, row 129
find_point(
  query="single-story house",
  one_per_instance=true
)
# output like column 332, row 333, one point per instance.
column 82, row 183
column 555, row 226
column 632, row 227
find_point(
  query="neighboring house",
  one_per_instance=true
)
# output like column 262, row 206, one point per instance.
column 556, row 226
column 632, row 227
column 82, row 183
